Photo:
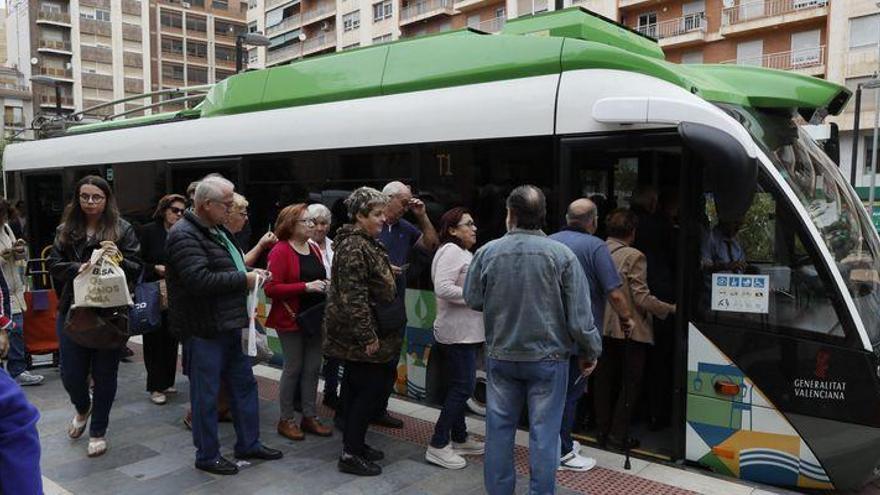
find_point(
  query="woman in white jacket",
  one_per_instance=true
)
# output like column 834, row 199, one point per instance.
column 459, row 334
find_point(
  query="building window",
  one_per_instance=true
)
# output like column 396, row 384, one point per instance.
column 102, row 15
column 197, row 75
column 223, row 53
column 13, row 116
column 172, row 71
column 221, row 75
column 253, row 56
column 383, row 10
column 197, row 50
column 864, row 31
column 647, row 24
column 868, row 155
column 226, row 29
column 500, row 12
column 351, row 21
column 198, row 24
column 385, row 38
column 222, row 5
column 197, row 3
column 169, row 19
column 252, row 27
column 172, row 45
column 252, row 4
column 349, row 47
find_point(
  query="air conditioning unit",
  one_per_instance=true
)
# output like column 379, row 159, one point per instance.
column 325, row 25
column 186, row 5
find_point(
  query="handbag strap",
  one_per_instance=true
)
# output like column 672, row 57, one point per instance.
column 289, row 310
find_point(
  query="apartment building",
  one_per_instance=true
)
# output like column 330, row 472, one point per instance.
column 15, row 96
column 193, row 42
column 302, row 28
column 93, row 51
column 853, row 59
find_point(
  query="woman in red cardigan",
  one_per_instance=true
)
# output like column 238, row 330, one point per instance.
column 298, row 283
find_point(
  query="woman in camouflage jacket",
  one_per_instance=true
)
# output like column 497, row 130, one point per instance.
column 360, row 278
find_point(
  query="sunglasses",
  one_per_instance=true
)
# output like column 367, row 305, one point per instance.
column 176, row 210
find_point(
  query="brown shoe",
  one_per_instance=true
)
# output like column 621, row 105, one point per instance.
column 287, row 428
column 313, row 426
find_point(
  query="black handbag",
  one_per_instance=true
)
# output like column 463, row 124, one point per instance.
column 311, row 320
column 98, row 328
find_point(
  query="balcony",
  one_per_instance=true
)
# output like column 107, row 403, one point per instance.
column 133, row 85
column 492, row 25
column 92, row 26
column 271, row 4
column 623, row 4
column 57, row 73
column 100, row 4
column 131, row 32
column 49, row 101
column 527, row 7
column 63, row 47
column 96, row 54
column 131, row 7
column 317, row 44
column 97, row 81
column 754, row 15
column 808, row 61
column 46, row 16
column 15, row 89
column 323, row 11
column 467, row 5
column 169, row 55
column 133, row 59
column 425, row 9
column 681, row 31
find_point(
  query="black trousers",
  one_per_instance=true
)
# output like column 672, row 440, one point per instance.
column 613, row 409
column 160, row 358
column 363, row 389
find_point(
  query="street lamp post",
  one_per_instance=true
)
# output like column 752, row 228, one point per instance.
column 247, row 39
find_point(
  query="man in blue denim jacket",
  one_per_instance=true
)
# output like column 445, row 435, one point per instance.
column 536, row 308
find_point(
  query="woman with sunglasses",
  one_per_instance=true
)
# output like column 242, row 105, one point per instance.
column 160, row 346
column 90, row 221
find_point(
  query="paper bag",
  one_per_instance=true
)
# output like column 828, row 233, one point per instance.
column 101, row 284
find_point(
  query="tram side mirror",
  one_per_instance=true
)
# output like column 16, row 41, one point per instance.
column 730, row 172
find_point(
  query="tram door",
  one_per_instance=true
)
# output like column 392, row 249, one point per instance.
column 620, row 171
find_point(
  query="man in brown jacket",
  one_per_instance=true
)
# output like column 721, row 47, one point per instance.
column 613, row 418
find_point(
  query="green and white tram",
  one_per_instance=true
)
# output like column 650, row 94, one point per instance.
column 779, row 384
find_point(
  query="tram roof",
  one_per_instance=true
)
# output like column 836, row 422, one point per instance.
column 548, row 43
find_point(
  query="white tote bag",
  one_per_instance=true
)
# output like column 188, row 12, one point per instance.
column 101, row 284
column 250, row 342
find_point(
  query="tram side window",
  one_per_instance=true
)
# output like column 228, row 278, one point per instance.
column 765, row 248
column 138, row 188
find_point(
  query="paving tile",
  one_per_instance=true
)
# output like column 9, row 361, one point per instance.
column 185, row 478
column 116, row 457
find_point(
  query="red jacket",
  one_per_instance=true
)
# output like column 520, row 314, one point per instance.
column 285, row 286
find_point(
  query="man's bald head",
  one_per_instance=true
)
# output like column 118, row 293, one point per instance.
column 582, row 213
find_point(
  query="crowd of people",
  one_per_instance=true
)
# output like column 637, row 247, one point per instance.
column 541, row 309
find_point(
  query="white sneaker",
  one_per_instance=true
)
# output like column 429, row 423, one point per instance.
column 158, row 398
column 26, row 379
column 445, row 457
column 576, row 447
column 469, row 447
column 576, row 462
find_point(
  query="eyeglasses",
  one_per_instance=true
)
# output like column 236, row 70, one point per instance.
column 308, row 221
column 176, row 210
column 469, row 223
column 243, row 213
column 92, row 198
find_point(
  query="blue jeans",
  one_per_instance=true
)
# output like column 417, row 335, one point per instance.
column 573, row 394
column 16, row 364
column 209, row 361
column 543, row 384
column 77, row 364
column 461, row 363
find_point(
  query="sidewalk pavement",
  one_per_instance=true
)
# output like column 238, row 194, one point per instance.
column 151, row 453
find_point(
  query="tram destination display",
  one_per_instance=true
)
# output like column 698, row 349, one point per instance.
column 740, row 293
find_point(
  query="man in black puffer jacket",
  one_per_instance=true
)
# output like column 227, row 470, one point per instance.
column 208, row 285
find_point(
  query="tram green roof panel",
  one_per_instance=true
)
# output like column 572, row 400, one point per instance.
column 582, row 24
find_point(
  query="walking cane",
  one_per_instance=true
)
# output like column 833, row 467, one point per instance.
column 626, row 463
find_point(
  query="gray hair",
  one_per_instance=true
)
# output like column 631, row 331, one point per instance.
column 318, row 211
column 211, row 187
column 529, row 207
column 394, row 188
column 363, row 200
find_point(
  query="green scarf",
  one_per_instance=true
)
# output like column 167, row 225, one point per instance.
column 237, row 258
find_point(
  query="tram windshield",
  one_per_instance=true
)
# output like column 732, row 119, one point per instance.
column 832, row 205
